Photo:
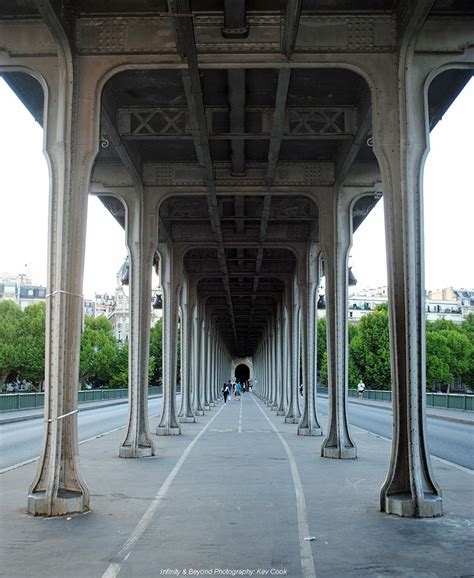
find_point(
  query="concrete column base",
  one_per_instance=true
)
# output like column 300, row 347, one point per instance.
column 207, row 407
column 212, row 404
column 188, row 419
column 168, row 431
column 65, row 502
column 309, row 431
column 339, row 453
column 140, row 451
column 292, row 419
column 274, row 407
column 430, row 506
column 281, row 412
column 198, row 412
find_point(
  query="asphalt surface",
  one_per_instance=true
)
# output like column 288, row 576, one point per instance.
column 21, row 441
column 450, row 441
column 237, row 494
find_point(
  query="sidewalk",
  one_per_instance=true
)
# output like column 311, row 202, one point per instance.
column 238, row 492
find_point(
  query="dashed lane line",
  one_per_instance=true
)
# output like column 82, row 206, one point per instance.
column 240, row 416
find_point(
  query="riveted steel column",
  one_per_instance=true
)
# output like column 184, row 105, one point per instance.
column 142, row 237
column 209, row 384
column 400, row 142
column 274, row 405
column 171, row 278
column 336, row 237
column 71, row 143
column 282, row 381
column 204, row 348
column 309, row 424
column 197, row 373
column 291, row 415
column 186, row 414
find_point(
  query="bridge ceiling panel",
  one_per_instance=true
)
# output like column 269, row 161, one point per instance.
column 256, row 281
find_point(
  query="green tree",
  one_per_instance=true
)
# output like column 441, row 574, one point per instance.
column 31, row 344
column 449, row 353
column 354, row 373
column 322, row 345
column 437, row 368
column 99, row 352
column 119, row 371
column 156, row 348
column 10, row 322
column 323, row 372
column 370, row 350
column 467, row 328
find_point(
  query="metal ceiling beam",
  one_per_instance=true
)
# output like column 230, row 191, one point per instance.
column 278, row 124
column 349, row 150
column 186, row 46
column 240, row 137
column 290, row 26
column 235, row 21
column 236, row 95
column 127, row 153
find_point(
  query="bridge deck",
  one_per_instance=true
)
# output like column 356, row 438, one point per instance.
column 237, row 491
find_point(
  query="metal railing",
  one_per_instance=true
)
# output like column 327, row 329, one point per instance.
column 442, row 400
column 14, row 401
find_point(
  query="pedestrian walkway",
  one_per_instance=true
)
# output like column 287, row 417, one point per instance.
column 237, row 494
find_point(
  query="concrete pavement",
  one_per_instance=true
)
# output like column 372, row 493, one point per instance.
column 240, row 495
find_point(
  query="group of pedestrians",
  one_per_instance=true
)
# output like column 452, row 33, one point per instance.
column 232, row 388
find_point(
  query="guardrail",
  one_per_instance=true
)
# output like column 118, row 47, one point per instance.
column 443, row 400
column 14, row 401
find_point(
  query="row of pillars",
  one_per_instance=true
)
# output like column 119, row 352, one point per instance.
column 59, row 488
column 399, row 136
column 287, row 357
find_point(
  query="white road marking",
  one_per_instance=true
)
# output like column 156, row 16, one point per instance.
column 240, row 416
column 118, row 560
column 307, row 562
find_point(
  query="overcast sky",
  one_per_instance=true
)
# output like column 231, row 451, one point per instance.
column 448, row 189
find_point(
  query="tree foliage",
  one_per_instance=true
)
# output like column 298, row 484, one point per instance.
column 449, row 352
column 156, row 349
column 104, row 361
column 99, row 352
column 322, row 342
column 370, row 351
column 10, row 323
column 32, row 343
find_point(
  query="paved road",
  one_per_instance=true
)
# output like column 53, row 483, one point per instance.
column 451, row 441
column 21, row 441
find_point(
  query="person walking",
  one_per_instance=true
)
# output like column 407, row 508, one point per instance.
column 360, row 389
column 225, row 392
